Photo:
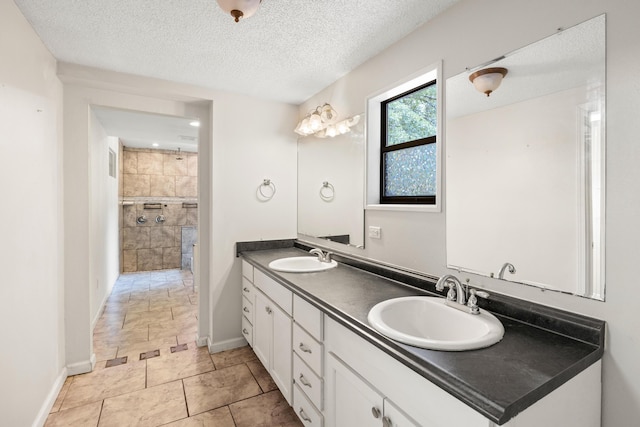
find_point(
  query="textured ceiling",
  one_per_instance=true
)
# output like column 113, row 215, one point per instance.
column 568, row 59
column 288, row 51
column 141, row 130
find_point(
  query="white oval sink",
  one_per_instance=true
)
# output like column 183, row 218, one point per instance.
column 427, row 322
column 301, row 264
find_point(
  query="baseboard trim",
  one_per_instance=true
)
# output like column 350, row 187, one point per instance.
column 227, row 345
column 82, row 367
column 102, row 306
column 202, row 341
column 50, row 400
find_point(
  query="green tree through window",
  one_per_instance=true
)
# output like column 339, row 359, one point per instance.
column 408, row 150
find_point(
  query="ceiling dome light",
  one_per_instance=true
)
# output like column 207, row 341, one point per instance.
column 488, row 80
column 239, row 8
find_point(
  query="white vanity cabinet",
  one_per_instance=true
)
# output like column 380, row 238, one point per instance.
column 362, row 380
column 308, row 357
column 248, row 302
column 272, row 330
column 334, row 377
column 354, row 402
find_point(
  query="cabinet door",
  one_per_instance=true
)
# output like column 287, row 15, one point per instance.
column 352, row 402
column 394, row 417
column 263, row 329
column 281, row 363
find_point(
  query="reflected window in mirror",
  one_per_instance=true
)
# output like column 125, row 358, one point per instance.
column 408, row 146
column 403, row 154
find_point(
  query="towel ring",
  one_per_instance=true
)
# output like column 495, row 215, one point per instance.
column 327, row 192
column 271, row 192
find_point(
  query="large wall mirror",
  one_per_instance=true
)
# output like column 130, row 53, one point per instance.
column 331, row 186
column 525, row 166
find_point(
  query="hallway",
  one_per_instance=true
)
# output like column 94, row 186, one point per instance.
column 149, row 371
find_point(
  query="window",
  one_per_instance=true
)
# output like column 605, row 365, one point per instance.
column 404, row 143
column 408, row 146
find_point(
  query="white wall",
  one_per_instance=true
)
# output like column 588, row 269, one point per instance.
column 473, row 32
column 105, row 257
column 31, row 289
column 253, row 140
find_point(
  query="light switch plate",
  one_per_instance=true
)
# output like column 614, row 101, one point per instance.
column 375, row 232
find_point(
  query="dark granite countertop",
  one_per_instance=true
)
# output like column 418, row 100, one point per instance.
column 542, row 348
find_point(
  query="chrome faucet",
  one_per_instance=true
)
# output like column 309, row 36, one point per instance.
column 322, row 256
column 506, row 266
column 456, row 290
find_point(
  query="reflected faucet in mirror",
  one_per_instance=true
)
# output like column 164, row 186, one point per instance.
column 322, row 256
column 506, row 266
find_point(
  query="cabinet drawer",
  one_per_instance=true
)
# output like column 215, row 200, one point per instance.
column 248, row 289
column 307, row 348
column 274, row 290
column 247, row 270
column 247, row 330
column 308, row 316
column 247, row 309
column 308, row 381
column 305, row 410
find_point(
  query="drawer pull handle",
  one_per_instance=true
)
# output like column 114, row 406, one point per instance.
column 245, row 309
column 304, row 381
column 375, row 412
column 304, row 416
column 268, row 310
column 245, row 289
column 244, row 331
column 386, row 422
column 304, row 348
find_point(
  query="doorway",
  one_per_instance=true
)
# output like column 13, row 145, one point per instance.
column 157, row 164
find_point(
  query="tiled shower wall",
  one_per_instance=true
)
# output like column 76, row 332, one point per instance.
column 157, row 177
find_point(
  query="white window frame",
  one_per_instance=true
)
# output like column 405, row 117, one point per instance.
column 373, row 115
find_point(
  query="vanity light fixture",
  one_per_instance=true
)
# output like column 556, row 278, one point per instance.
column 323, row 122
column 194, row 123
column 239, row 8
column 488, row 79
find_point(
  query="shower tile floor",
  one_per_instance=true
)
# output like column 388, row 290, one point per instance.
column 184, row 385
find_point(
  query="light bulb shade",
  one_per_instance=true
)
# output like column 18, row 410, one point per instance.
column 488, row 80
column 328, row 114
column 247, row 7
column 315, row 122
column 342, row 127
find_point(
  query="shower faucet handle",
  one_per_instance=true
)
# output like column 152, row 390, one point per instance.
column 160, row 219
column 141, row 219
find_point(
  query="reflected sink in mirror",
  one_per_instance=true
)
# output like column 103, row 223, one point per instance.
column 428, row 322
column 301, row 264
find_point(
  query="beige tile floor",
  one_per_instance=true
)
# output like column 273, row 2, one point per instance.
column 156, row 311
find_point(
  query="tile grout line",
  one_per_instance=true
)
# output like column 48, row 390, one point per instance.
column 100, row 414
column 184, row 392
column 254, row 377
column 232, row 417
